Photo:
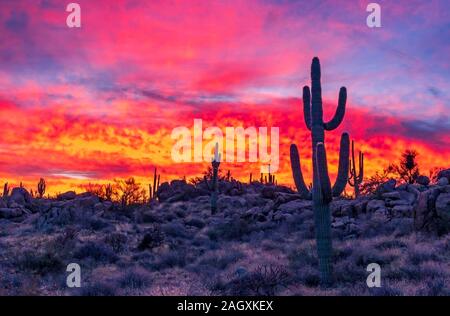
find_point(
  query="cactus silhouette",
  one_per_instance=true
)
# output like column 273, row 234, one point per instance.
column 355, row 178
column 5, row 190
column 41, row 187
column 109, row 191
column 153, row 191
column 322, row 192
column 213, row 187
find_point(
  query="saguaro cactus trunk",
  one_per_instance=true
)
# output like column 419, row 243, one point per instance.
column 213, row 187
column 322, row 192
column 355, row 179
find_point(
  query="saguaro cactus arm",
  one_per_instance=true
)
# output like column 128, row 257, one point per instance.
column 322, row 171
column 340, row 111
column 297, row 172
column 307, row 106
column 355, row 178
column 316, row 94
column 361, row 166
column 342, row 176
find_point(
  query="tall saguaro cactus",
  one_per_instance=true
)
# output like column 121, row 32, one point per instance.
column 213, row 187
column 322, row 192
column 355, row 179
column 41, row 187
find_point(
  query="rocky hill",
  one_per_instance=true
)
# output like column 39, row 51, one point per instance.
column 260, row 241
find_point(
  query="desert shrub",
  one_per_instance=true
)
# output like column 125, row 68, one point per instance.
column 407, row 169
column 96, row 251
column 201, row 240
column 134, row 279
column 129, row 192
column 98, row 289
column 364, row 256
column 370, row 185
column 304, row 256
column 308, row 275
column 233, row 229
column 343, row 252
column 39, row 262
column 434, row 287
column 265, row 280
column 176, row 230
column 219, row 261
column 346, row 271
column 171, row 259
column 96, row 224
column 116, row 241
column 385, row 290
column 64, row 243
column 196, row 222
column 420, row 253
column 152, row 238
column 390, row 243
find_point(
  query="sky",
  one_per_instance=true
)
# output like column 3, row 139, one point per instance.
column 91, row 104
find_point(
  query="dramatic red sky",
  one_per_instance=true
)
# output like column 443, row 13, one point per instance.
column 100, row 102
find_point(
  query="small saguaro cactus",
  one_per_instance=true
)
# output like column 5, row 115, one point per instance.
column 109, row 192
column 5, row 190
column 271, row 177
column 41, row 187
column 355, row 178
column 153, row 191
column 322, row 192
column 213, row 187
column 250, row 179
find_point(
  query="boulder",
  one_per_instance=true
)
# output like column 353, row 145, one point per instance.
column 374, row 205
column 424, row 209
column 402, row 186
column 444, row 174
column 445, row 189
column 10, row 212
column 443, row 181
column 89, row 201
column 338, row 223
column 19, row 196
column 380, row 215
column 69, row 195
column 443, row 207
column 410, row 195
column 178, row 190
column 360, row 205
column 337, row 207
column 107, row 205
column 395, row 195
column 387, row 186
column 268, row 192
column 393, row 203
column 282, row 198
column 231, row 202
column 254, row 214
column 423, row 180
column 295, row 206
column 164, row 192
column 402, row 211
